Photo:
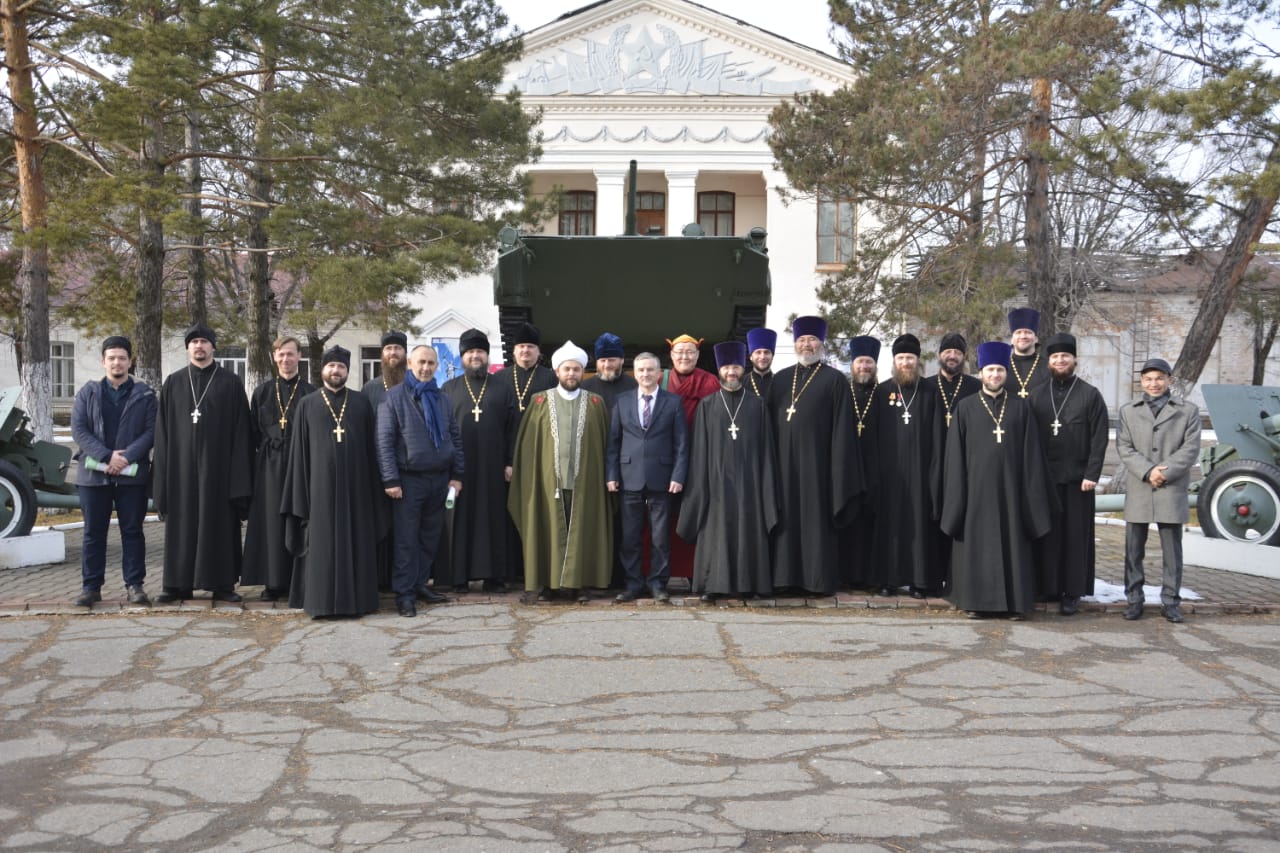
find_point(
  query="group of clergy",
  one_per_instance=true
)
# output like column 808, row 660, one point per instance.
column 748, row 482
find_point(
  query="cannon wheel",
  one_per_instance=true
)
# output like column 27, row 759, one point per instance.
column 17, row 501
column 1248, row 484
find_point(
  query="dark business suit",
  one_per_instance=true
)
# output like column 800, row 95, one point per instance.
column 644, row 462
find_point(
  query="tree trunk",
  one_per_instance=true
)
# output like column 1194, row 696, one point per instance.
column 197, row 276
column 150, row 296
column 261, row 185
column 33, row 273
column 1225, row 284
column 1262, row 343
column 315, row 352
column 1042, row 265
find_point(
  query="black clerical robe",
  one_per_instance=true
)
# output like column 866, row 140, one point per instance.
column 758, row 383
column 609, row 391
column 730, row 500
column 525, row 383
column 996, row 503
column 1027, row 373
column 478, row 545
column 331, row 505
column 819, row 473
column 375, row 391
column 203, row 476
column 266, row 560
column 857, row 539
column 908, row 438
column 949, row 393
column 1072, row 417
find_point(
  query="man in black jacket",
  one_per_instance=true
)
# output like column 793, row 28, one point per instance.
column 113, row 421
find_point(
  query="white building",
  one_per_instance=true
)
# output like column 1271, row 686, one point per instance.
column 686, row 92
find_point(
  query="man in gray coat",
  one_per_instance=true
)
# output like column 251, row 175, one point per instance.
column 1159, row 442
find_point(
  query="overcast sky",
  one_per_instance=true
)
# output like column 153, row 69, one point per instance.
column 804, row 21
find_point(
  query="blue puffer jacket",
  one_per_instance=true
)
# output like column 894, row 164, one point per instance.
column 136, row 433
column 404, row 443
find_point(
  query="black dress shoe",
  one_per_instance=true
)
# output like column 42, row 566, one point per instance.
column 1070, row 605
column 660, row 594
column 88, row 598
column 430, row 596
column 227, row 595
column 462, row 588
column 625, row 597
column 170, row 596
column 583, row 596
column 406, row 608
column 136, row 595
column 1172, row 612
column 268, row 594
column 886, row 592
column 1133, row 611
column 493, row 586
column 708, row 598
column 917, row 593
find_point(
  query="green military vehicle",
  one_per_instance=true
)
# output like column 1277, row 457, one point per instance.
column 25, row 465
column 644, row 289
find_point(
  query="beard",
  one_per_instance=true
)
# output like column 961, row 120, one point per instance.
column 906, row 375
column 809, row 359
column 478, row 372
column 609, row 375
column 393, row 372
column 570, row 383
column 731, row 384
column 864, row 379
column 951, row 366
column 1062, row 373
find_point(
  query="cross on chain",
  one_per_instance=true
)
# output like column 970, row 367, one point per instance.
column 733, row 431
column 1024, row 393
column 998, row 432
column 284, row 422
column 948, row 419
column 1056, row 424
column 906, row 417
column 475, row 410
column 339, row 432
column 195, row 415
column 791, row 411
column 860, row 425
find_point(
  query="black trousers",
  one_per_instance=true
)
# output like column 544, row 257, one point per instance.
column 418, row 520
column 636, row 508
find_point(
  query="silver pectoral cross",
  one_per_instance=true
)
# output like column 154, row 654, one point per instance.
column 733, row 431
column 1056, row 425
column 906, row 417
column 195, row 415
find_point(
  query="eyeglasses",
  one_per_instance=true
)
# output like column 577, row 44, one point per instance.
column 684, row 351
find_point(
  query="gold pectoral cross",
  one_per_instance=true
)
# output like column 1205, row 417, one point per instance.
column 475, row 410
column 791, row 411
column 998, row 432
column 860, row 427
column 948, row 419
column 339, row 432
column 1024, row 393
column 284, row 422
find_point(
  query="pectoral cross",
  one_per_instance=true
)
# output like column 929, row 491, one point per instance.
column 906, row 417
column 733, row 431
column 1056, row 423
column 860, row 425
column 195, row 415
column 1024, row 393
column 791, row 411
column 948, row 419
column 284, row 422
column 475, row 410
column 998, row 432
column 339, row 431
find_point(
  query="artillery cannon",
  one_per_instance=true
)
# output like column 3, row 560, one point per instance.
column 25, row 465
column 1239, row 497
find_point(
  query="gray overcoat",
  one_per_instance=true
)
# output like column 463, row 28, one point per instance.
column 1172, row 439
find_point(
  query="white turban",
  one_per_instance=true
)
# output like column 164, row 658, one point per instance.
column 569, row 352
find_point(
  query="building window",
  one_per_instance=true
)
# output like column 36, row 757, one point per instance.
column 233, row 359
column 837, row 231
column 578, row 212
column 62, row 370
column 715, row 213
column 651, row 213
column 370, row 364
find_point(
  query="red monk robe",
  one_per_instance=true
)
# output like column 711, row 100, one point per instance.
column 691, row 388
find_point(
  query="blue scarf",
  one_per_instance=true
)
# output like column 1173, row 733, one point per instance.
column 428, row 396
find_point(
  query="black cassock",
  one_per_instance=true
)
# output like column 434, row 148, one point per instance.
column 266, row 560
column 819, row 475
column 609, row 390
column 525, row 383
column 1075, row 451
column 759, row 384
column 203, row 477
column 478, row 546
column 950, row 393
column 908, row 441
column 730, row 502
column 996, row 503
column 375, row 391
column 1027, row 372
column 331, row 503
column 857, row 540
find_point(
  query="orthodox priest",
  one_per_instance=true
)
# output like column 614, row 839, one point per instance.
column 610, row 379
column 203, row 473
column 330, row 500
column 908, row 438
column 761, row 344
column 952, row 383
column 1072, row 417
column 1028, row 369
column 394, row 366
column 857, row 540
column 526, row 377
column 730, row 501
column 558, row 497
column 266, row 560
column 996, row 497
column 486, row 414
column 818, row 468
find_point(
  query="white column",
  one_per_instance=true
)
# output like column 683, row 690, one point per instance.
column 682, row 200
column 611, row 202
